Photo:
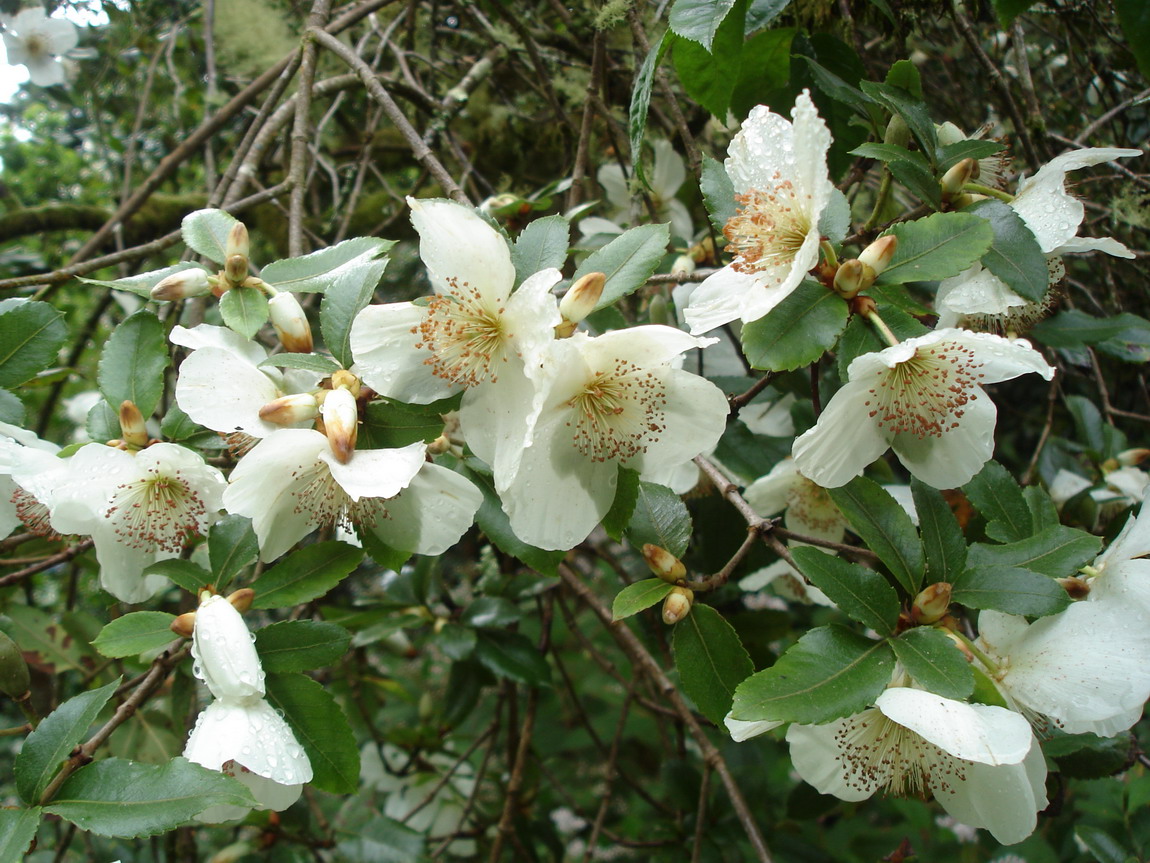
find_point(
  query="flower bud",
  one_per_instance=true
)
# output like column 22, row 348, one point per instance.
column 340, row 422
column 931, row 603
column 1132, row 457
column 14, row 681
column 343, row 379
column 852, row 277
column 957, row 176
column 663, row 563
column 579, row 301
column 1075, row 587
column 290, row 410
column 439, row 446
column 684, row 265
column 878, row 254
column 133, row 432
column 237, row 242
column 659, row 311
column 181, row 285
column 290, row 323
column 241, row 599
column 184, row 625
column 677, row 605
column 224, row 651
column 236, row 269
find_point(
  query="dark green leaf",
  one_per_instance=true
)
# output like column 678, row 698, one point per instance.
column 190, row 576
column 1015, row 256
column 17, row 830
column 178, row 426
column 1008, row 10
column 709, row 73
column 911, row 109
column 933, row 659
column 1134, row 19
column 660, row 518
column 1088, row 756
column 244, row 310
column 997, row 496
column 115, row 797
column 540, row 246
column 860, row 593
column 391, row 425
column 942, row 539
column 1008, row 589
column 45, row 641
column 638, row 596
column 711, row 661
column 135, row 633
column 623, row 506
column 306, row 574
column 351, row 289
column 839, row 89
column 641, row 99
column 764, row 69
column 1088, row 424
column 918, row 179
column 320, row 727
column 1043, row 512
column 512, row 655
column 206, row 232
column 133, row 363
column 718, row 192
column 232, row 545
column 308, row 362
column 890, row 153
column 698, row 20
column 315, row 273
column 457, row 642
column 798, row 330
column 951, row 154
column 885, row 528
column 1057, row 551
column 31, row 335
column 1125, row 336
column 904, row 74
column 937, row 247
column 297, row 645
column 627, row 261
column 829, row 673
column 382, row 840
column 761, row 13
column 1102, row 847
column 57, row 734
column 491, row 612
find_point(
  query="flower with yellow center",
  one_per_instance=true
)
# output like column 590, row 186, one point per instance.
column 34, row 40
column 779, row 172
column 923, row 398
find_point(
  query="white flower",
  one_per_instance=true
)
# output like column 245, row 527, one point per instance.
column 787, row 582
column 1119, row 576
column 666, row 178
column 29, row 472
column 616, row 399
column 240, row 734
column 290, row 483
column 808, row 508
column 138, row 508
column 779, row 171
column 1084, row 668
column 976, row 298
column 981, row 762
column 34, row 40
column 924, row 399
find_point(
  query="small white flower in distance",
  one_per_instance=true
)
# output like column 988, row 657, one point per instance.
column 666, row 178
column 779, row 171
column 923, row 398
column 982, row 763
column 806, row 507
column 34, row 40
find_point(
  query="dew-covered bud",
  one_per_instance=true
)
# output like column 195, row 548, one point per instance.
column 677, row 605
column 181, row 285
column 14, row 681
column 133, row 431
column 931, row 603
column 290, row 323
column 340, row 423
column 579, row 301
column 878, row 254
column 957, row 176
column 663, row 563
column 290, row 410
column 224, row 651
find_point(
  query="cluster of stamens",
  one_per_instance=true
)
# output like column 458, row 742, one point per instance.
column 876, row 751
column 33, row 514
column 327, row 505
column 464, row 335
column 769, row 228
column 925, row 395
column 810, row 504
column 159, row 512
column 618, row 412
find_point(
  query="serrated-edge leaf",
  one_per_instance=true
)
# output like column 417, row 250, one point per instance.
column 894, row 539
column 135, row 633
column 627, row 261
column 923, row 653
column 1009, row 589
column 307, row 362
column 922, row 255
column 314, row 272
column 244, row 310
column 298, row 645
column 942, row 541
column 232, row 545
column 17, row 830
column 639, row 596
column 132, row 365
column 996, row 495
column 911, row 109
column 142, row 284
column 45, row 749
column 699, row 20
column 623, row 506
column 541, row 245
column 183, row 573
column 711, row 661
column 1056, row 551
column 660, row 518
column 22, row 326
column 718, row 192
column 798, row 330
column 306, row 574
column 351, row 289
column 1014, row 256
column 641, row 100
column 512, row 655
column 861, row 594
column 321, row 728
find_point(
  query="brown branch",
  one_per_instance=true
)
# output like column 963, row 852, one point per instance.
column 297, row 166
column 47, row 563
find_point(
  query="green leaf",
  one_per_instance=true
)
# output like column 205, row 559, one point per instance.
column 491, row 612
column 306, row 574
column 942, row 539
column 860, row 593
column 11, row 409
column 135, row 633
column 382, row 840
column 1056, row 552
column 1088, row 424
column 206, row 232
column 1134, row 19
column 512, row 655
column 1101, row 846
column 17, row 830
column 390, row 425
column 115, row 797
column 244, row 310
column 835, row 219
column 711, row 661
column 911, row 109
column 133, row 363
column 320, row 727
column 951, row 154
column 641, row 100
column 1015, row 256
column 919, row 180
column 456, row 642
column 31, row 335
column 660, row 518
column 932, row 659
column 885, row 528
column 628, row 261
column 761, row 13
column 47, row 641
column 890, row 153
column 623, row 506
column 315, row 273
column 141, row 285
column 190, row 576
column 232, row 545
column 297, row 645
column 710, row 72
column 718, row 192
column 493, row 521
column 997, row 496
column 178, row 426
column 1009, row 589
column 350, row 291
column 308, row 362
column 1124, row 336
column 937, row 247
column 55, row 737
column 638, row 596
column 829, row 673
column 698, row 20
column 861, row 338
column 798, row 330
column 541, row 245
column 1008, row 10
column 1043, row 512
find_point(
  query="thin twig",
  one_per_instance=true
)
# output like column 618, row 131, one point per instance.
column 47, row 563
column 297, row 166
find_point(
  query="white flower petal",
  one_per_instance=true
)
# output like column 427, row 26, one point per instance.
column 741, row 730
column 1003, row 800
column 432, row 513
column 839, row 447
column 459, row 247
column 718, row 300
column 377, row 473
column 225, row 651
column 383, row 341
column 816, row 755
column 953, row 458
column 971, row 732
column 221, row 391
